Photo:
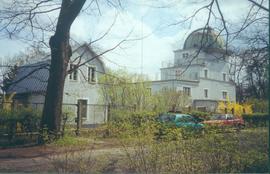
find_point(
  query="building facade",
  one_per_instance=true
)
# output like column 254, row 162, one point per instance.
column 201, row 69
column 30, row 86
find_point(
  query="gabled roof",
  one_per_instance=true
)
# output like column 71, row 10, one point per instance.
column 33, row 78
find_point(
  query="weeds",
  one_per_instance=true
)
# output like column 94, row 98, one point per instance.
column 147, row 147
column 213, row 152
column 83, row 160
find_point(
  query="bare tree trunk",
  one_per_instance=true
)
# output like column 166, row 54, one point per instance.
column 60, row 55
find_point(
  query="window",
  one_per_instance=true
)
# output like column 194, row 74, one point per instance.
column 219, row 117
column 74, row 74
column 165, row 89
column 185, row 55
column 224, row 95
column 184, row 119
column 224, row 76
column 206, row 73
column 186, row 91
column 206, row 93
column 196, row 76
column 167, row 118
column 91, row 74
column 178, row 72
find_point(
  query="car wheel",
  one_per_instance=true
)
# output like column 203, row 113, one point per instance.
column 239, row 127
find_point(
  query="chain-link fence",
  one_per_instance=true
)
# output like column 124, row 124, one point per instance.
column 92, row 113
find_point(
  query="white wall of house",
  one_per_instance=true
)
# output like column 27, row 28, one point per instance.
column 215, row 89
column 215, row 82
column 82, row 87
column 170, row 84
column 86, row 87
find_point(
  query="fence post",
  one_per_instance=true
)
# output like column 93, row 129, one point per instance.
column 232, row 110
column 78, row 120
column 13, row 105
column 64, row 121
column 108, row 112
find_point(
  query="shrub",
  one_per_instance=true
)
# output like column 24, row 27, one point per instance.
column 256, row 119
column 83, row 160
column 258, row 105
column 213, row 153
column 235, row 108
column 135, row 117
column 19, row 121
column 13, row 122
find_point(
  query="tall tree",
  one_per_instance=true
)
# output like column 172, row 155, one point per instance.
column 34, row 20
column 60, row 55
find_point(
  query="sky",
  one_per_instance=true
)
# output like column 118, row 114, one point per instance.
column 154, row 21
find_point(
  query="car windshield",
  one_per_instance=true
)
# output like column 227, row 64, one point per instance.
column 218, row 117
column 230, row 116
column 167, row 117
column 184, row 118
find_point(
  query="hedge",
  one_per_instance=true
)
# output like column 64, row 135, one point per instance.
column 256, row 119
column 14, row 124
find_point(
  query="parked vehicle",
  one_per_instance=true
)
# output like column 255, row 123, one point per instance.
column 192, row 128
column 225, row 120
column 180, row 120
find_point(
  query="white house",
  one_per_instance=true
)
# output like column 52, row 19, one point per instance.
column 201, row 70
column 82, row 84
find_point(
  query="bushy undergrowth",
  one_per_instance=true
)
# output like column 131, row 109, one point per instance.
column 151, row 147
column 83, row 160
column 24, row 120
column 147, row 146
column 18, row 127
column 211, row 153
column 256, row 119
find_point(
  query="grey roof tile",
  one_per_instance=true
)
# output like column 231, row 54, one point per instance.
column 31, row 78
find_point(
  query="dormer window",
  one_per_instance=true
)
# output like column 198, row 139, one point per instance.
column 195, row 45
column 74, row 74
column 91, row 74
column 185, row 55
column 178, row 72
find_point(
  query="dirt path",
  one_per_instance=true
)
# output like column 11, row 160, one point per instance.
column 39, row 158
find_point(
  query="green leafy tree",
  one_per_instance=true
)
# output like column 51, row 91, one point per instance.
column 123, row 90
column 171, row 100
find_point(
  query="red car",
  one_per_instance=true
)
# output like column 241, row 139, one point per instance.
column 225, row 120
